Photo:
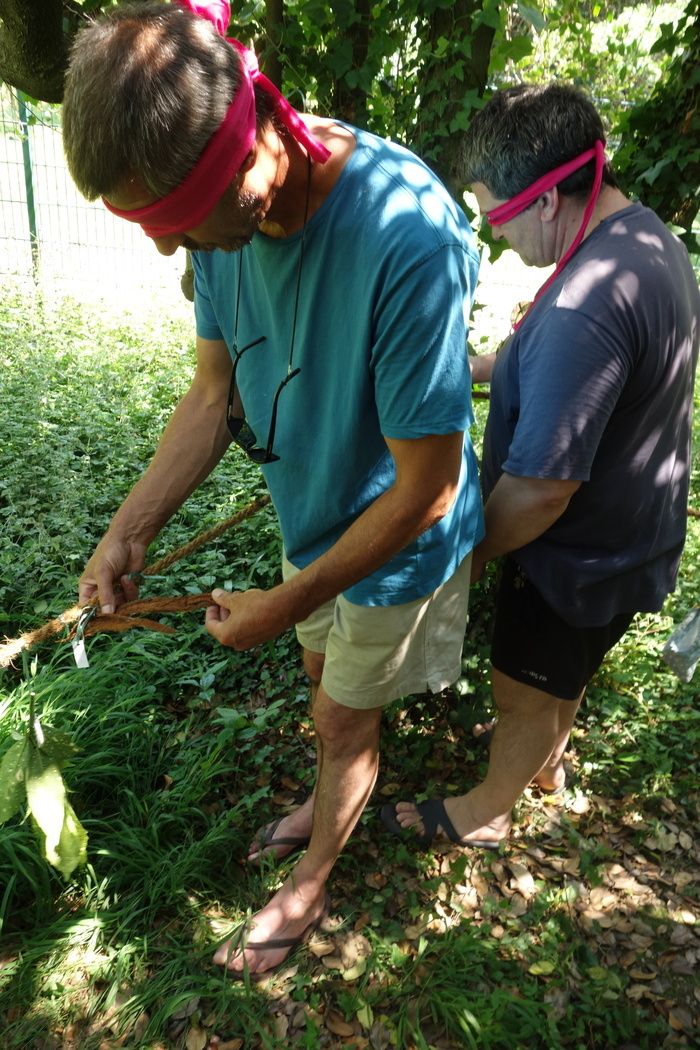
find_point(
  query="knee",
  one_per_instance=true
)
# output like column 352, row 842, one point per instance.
column 313, row 665
column 345, row 728
column 515, row 698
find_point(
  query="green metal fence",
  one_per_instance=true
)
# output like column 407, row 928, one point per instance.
column 49, row 234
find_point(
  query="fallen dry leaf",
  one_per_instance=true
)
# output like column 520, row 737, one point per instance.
column 280, row 1026
column 332, row 962
column 665, row 841
column 412, row 933
column 522, row 880
column 602, row 898
column 680, row 1019
column 361, row 921
column 353, row 973
column 683, row 878
column 375, row 880
column 354, row 946
column 196, row 1039
column 336, row 1024
column 319, row 947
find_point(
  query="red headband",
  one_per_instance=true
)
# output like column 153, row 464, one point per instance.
column 190, row 202
column 517, row 204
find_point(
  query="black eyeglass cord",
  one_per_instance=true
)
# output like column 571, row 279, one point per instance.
column 300, row 266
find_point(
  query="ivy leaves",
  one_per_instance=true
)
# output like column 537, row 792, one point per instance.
column 30, row 772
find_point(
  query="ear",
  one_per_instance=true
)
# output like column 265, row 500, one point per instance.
column 250, row 160
column 549, row 202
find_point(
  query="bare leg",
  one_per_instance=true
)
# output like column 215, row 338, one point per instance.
column 349, row 758
column 527, row 733
column 552, row 776
column 298, row 823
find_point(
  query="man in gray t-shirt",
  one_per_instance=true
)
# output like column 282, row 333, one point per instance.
column 587, row 448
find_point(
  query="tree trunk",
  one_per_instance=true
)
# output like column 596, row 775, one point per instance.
column 350, row 103
column 444, row 102
column 33, row 51
column 271, row 61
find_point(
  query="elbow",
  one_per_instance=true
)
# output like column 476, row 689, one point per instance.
column 439, row 506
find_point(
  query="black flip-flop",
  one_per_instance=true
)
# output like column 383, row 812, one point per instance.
column 433, row 815
column 265, row 837
column 276, row 942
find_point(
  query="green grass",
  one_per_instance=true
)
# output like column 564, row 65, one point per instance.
column 185, row 749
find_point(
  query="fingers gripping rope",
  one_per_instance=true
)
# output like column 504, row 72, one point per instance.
column 84, row 621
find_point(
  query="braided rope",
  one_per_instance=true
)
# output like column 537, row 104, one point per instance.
column 124, row 620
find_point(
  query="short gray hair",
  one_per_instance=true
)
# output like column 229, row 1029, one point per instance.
column 526, row 131
column 147, row 87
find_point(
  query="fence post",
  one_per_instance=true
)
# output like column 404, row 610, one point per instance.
column 28, row 182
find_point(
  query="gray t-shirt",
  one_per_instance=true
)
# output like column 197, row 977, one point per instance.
column 597, row 386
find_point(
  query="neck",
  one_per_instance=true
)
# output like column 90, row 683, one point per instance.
column 610, row 200
column 289, row 185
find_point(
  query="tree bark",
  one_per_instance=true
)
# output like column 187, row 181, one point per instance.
column 440, row 105
column 33, row 50
column 350, row 103
column 274, row 28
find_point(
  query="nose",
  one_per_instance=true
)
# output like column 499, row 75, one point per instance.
column 167, row 245
column 497, row 233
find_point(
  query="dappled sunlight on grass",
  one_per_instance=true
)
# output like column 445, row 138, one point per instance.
column 582, row 932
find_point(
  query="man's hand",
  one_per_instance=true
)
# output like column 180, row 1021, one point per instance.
column 242, row 619
column 106, row 573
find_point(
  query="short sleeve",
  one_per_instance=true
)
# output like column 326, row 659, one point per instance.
column 205, row 319
column 419, row 354
column 571, row 373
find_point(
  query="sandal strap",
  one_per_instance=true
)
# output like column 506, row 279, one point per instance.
column 434, row 815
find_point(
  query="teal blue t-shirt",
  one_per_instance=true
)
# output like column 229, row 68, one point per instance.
column 387, row 282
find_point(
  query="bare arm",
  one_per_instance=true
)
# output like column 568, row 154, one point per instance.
column 192, row 444
column 427, row 477
column 482, row 367
column 517, row 512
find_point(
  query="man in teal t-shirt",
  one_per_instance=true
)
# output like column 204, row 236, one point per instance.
column 333, row 278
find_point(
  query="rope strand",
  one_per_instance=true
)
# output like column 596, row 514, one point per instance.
column 123, row 620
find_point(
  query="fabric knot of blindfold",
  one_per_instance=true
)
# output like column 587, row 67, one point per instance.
column 517, row 204
column 188, row 204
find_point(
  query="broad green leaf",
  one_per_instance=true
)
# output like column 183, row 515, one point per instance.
column 72, row 845
column 533, row 16
column 542, row 968
column 13, row 769
column 58, row 747
column 46, row 796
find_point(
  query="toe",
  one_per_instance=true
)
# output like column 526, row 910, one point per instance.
column 408, row 816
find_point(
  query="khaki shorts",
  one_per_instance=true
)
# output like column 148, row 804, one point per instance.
column 375, row 654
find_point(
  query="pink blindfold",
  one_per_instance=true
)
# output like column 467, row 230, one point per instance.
column 188, row 204
column 517, row 204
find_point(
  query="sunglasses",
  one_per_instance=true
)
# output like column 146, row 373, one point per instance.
column 239, row 428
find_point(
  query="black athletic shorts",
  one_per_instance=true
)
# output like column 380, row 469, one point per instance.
column 532, row 644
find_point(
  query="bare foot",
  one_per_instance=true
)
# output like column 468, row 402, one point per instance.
column 294, row 911
column 295, row 828
column 466, row 826
column 483, row 728
column 551, row 779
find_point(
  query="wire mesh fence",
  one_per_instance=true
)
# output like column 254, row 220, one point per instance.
column 49, row 234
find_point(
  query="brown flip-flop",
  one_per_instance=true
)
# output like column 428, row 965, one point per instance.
column 265, row 838
column 277, row 942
